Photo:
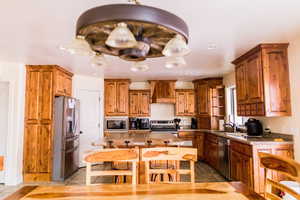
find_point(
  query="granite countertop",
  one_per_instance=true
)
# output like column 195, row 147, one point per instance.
column 273, row 138
column 140, row 139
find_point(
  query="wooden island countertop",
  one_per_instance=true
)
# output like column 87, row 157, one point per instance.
column 208, row 191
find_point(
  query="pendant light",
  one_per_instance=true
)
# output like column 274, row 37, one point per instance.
column 78, row 46
column 121, row 37
column 139, row 66
column 175, row 62
column 176, row 47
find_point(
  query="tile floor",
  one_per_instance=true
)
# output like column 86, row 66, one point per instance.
column 204, row 173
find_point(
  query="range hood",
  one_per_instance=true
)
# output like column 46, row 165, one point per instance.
column 162, row 91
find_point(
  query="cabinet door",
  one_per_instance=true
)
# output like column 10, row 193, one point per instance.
column 246, row 176
column 255, row 79
column 204, row 99
column 241, row 83
column 68, row 86
column 277, row 84
column 144, row 104
column 180, row 103
column 199, row 144
column 32, row 96
column 110, row 98
column 134, row 104
column 37, row 151
column 122, row 98
column 46, row 96
column 236, row 166
column 59, row 83
column 190, row 103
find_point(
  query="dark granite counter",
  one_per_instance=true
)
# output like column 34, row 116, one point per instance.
column 242, row 137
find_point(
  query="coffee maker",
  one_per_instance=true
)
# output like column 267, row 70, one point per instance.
column 194, row 123
column 177, row 122
column 133, row 123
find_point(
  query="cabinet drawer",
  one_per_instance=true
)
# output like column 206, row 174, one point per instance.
column 241, row 148
column 212, row 138
column 186, row 134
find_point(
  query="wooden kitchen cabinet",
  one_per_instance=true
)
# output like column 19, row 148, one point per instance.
column 211, row 150
column 116, row 97
column 185, row 102
column 198, row 142
column 63, row 83
column 139, row 103
column 210, row 102
column 262, row 81
column 245, row 165
column 241, row 162
column 42, row 83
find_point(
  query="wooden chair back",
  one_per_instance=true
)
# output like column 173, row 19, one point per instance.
column 285, row 166
column 1, row 163
column 112, row 155
column 149, row 155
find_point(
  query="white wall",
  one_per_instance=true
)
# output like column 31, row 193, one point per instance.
column 4, row 95
column 14, row 74
column 288, row 125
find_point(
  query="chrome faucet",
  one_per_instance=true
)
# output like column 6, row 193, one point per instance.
column 232, row 125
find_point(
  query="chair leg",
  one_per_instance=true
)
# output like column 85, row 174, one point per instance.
column 88, row 173
column 192, row 163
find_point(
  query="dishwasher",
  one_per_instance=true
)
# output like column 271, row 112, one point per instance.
column 224, row 157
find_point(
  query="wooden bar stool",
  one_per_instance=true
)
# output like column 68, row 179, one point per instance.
column 169, row 154
column 285, row 166
column 112, row 155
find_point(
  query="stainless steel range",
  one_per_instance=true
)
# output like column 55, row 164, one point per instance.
column 163, row 125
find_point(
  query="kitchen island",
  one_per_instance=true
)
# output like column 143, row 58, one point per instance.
column 142, row 140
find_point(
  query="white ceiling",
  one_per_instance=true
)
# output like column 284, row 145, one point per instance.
column 32, row 30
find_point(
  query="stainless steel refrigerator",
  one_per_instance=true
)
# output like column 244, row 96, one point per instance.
column 66, row 138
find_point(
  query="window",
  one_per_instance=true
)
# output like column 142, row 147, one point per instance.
column 232, row 107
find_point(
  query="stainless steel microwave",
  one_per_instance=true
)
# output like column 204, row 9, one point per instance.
column 116, row 124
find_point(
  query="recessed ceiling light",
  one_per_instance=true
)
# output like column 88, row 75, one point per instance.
column 212, row 46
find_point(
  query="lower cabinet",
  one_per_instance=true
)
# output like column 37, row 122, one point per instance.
column 241, row 168
column 198, row 142
column 245, row 164
column 211, row 150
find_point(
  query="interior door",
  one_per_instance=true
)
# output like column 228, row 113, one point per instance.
column 4, row 87
column 89, row 120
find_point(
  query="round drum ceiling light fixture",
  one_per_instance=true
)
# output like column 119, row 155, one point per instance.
column 133, row 32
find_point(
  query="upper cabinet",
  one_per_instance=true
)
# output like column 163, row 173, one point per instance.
column 162, row 91
column 139, row 103
column 116, row 97
column 210, row 102
column 262, row 81
column 185, row 102
column 63, row 83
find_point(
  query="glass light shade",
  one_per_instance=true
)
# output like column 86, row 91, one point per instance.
column 177, row 46
column 175, row 62
column 139, row 66
column 121, row 37
column 78, row 46
column 98, row 61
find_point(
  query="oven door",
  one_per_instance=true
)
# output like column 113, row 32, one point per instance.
column 116, row 124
